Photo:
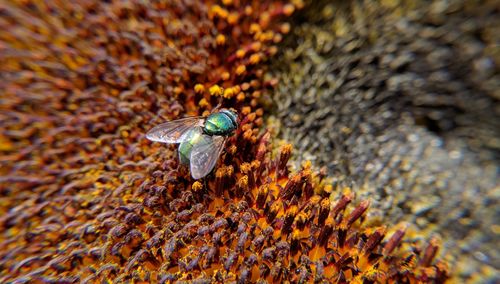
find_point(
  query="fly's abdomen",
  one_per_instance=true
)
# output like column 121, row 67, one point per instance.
column 221, row 123
column 185, row 148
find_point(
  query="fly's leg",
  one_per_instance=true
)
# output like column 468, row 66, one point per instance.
column 218, row 106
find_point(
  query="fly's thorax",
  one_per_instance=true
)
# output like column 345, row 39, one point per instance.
column 221, row 123
column 232, row 115
column 185, row 148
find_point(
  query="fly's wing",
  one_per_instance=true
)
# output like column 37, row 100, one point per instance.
column 174, row 131
column 205, row 154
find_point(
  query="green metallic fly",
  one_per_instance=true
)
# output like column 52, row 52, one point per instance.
column 201, row 138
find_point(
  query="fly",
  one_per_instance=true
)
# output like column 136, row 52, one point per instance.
column 200, row 139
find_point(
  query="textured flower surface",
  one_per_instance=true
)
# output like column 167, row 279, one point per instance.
column 400, row 101
column 84, row 197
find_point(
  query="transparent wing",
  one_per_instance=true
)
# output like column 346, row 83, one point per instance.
column 205, row 154
column 174, row 131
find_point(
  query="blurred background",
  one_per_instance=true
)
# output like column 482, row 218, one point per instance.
column 399, row 99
